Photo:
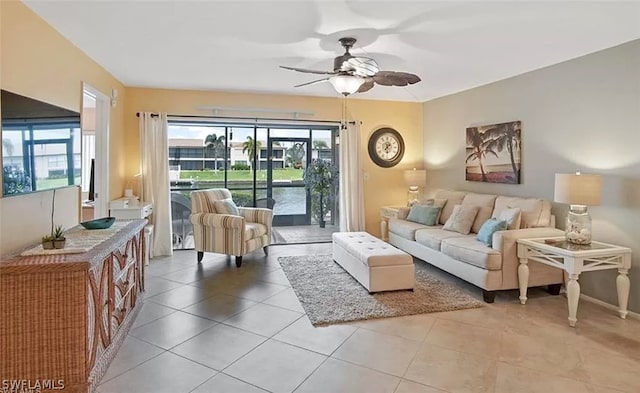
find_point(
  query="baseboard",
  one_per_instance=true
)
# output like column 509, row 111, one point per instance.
column 590, row 299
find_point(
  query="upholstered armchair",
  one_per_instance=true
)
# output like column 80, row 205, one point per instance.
column 217, row 231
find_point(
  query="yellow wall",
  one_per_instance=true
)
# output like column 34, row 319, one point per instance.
column 36, row 61
column 385, row 186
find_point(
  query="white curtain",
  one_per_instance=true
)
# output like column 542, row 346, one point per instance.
column 351, row 186
column 154, row 153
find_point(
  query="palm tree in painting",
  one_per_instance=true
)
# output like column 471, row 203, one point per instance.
column 506, row 136
column 215, row 144
column 480, row 147
column 250, row 146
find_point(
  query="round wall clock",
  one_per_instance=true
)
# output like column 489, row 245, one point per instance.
column 386, row 147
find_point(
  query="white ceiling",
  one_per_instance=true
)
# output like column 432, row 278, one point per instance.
column 238, row 45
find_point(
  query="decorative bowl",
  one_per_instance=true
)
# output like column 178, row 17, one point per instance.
column 100, row 223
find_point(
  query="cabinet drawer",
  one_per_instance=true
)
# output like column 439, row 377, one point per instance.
column 147, row 210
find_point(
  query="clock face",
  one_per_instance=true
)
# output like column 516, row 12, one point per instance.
column 386, row 147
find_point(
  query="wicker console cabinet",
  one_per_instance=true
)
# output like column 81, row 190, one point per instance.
column 63, row 317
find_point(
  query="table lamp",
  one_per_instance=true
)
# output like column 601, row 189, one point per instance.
column 414, row 178
column 578, row 191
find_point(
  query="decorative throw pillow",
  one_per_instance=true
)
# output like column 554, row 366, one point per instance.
column 436, row 202
column 461, row 219
column 491, row 226
column 424, row 214
column 226, row 206
column 512, row 216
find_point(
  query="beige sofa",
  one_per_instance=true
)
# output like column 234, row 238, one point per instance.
column 490, row 268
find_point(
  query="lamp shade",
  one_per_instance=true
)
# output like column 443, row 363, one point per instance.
column 346, row 84
column 577, row 189
column 415, row 177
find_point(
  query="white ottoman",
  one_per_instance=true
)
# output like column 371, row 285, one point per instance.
column 377, row 265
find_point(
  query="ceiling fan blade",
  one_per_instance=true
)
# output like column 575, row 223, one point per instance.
column 393, row 78
column 308, row 71
column 362, row 66
column 366, row 86
column 312, row 82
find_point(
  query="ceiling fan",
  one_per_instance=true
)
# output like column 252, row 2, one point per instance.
column 356, row 74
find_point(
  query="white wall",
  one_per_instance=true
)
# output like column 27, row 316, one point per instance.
column 24, row 219
column 583, row 114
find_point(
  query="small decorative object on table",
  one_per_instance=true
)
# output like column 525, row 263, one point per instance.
column 100, row 223
column 55, row 240
column 578, row 190
column 415, row 179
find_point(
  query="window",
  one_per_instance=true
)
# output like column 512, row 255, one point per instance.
column 40, row 155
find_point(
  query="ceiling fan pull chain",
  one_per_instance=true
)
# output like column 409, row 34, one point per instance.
column 344, row 112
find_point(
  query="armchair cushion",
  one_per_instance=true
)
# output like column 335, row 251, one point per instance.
column 257, row 214
column 222, row 221
column 226, row 206
column 253, row 230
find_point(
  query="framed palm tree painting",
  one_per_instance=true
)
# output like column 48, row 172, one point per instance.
column 493, row 153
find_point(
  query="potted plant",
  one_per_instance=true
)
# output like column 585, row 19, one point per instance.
column 320, row 178
column 47, row 242
column 57, row 236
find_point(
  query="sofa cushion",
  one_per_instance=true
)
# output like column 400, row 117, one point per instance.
column 453, row 198
column 534, row 212
column 423, row 214
column 469, row 250
column 432, row 237
column 491, row 226
column 461, row 219
column 511, row 216
column 485, row 203
column 403, row 228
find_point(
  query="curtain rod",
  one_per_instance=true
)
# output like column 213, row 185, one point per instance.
column 249, row 118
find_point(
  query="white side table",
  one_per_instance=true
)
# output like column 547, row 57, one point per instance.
column 138, row 211
column 387, row 213
column 575, row 259
column 141, row 210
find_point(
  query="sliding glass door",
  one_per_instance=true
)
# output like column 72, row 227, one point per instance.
column 287, row 159
column 261, row 165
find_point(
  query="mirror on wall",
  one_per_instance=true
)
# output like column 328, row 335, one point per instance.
column 41, row 145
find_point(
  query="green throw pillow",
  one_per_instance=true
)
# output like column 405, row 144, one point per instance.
column 423, row 214
column 491, row 226
column 226, row 206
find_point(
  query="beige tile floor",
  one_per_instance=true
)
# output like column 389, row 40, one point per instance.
column 216, row 328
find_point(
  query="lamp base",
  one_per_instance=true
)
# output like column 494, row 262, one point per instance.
column 578, row 226
column 413, row 197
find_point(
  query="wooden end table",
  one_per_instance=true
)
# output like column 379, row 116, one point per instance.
column 575, row 259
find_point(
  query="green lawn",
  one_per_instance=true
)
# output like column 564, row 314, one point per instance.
column 278, row 174
column 43, row 184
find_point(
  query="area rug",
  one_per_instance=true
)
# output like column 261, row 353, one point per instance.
column 300, row 234
column 329, row 294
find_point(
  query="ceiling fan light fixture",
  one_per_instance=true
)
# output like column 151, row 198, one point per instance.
column 346, row 84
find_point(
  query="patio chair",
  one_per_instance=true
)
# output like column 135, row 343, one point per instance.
column 268, row 203
column 226, row 233
column 180, row 213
